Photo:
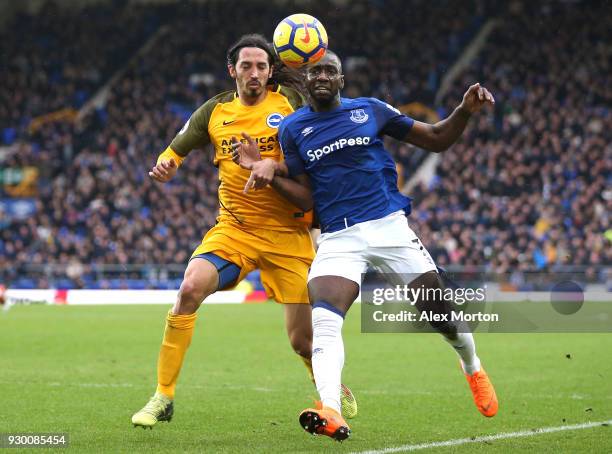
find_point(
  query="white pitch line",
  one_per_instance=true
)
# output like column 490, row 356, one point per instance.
column 501, row 436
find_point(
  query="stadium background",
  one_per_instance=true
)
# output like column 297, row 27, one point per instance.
column 92, row 91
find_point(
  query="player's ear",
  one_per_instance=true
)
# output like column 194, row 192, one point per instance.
column 232, row 71
column 271, row 71
column 341, row 82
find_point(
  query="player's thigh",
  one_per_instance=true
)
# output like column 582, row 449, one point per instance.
column 285, row 278
column 228, row 273
column 284, row 262
column 404, row 261
column 411, row 264
column 340, row 254
column 346, row 265
column 336, row 272
column 402, row 265
column 233, row 249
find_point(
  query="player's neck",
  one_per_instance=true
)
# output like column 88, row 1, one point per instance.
column 246, row 100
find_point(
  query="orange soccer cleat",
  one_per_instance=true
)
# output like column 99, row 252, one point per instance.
column 324, row 421
column 483, row 392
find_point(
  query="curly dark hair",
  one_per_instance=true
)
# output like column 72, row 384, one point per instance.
column 252, row 40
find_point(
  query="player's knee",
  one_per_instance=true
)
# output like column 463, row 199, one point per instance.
column 338, row 292
column 449, row 331
column 191, row 295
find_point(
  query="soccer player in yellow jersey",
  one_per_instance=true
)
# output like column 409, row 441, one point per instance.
column 256, row 230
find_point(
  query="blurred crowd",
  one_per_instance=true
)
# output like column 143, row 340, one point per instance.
column 529, row 186
column 526, row 186
column 57, row 58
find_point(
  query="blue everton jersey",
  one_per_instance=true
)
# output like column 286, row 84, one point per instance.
column 353, row 177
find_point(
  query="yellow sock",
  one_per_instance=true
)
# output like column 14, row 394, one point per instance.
column 177, row 337
column 308, row 364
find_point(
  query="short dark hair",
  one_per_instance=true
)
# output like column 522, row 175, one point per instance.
column 252, row 40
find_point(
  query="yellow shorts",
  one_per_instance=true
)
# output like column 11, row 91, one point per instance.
column 283, row 257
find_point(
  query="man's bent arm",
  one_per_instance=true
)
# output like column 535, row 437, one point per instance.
column 270, row 172
column 296, row 190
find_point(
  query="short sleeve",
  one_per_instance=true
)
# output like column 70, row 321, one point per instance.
column 293, row 161
column 391, row 121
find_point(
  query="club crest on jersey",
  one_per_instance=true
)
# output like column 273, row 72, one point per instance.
column 307, row 130
column 274, row 120
column 359, row 116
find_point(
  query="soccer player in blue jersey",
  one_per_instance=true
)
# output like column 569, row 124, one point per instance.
column 334, row 148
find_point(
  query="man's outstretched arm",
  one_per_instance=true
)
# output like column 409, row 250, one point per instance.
column 438, row 137
column 194, row 134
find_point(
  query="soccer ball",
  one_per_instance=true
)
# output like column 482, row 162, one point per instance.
column 300, row 40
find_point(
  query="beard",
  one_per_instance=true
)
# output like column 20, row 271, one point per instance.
column 252, row 91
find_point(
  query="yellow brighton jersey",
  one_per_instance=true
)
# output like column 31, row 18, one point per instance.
column 224, row 116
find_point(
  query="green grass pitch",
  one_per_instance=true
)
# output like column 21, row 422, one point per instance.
column 85, row 370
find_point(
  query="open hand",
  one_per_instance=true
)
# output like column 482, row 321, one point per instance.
column 245, row 154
